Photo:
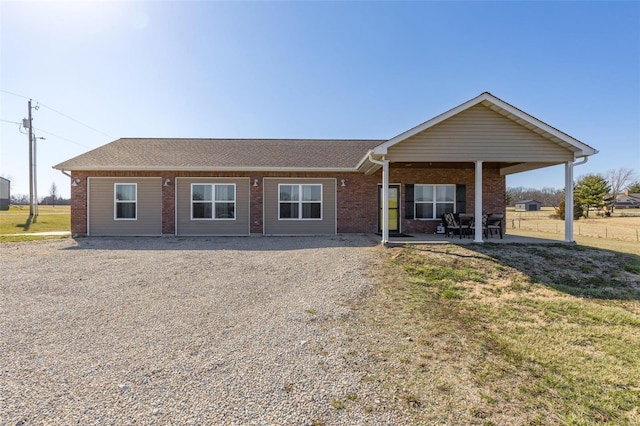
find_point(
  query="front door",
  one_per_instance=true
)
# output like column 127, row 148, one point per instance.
column 394, row 208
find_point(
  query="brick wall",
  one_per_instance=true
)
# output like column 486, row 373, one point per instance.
column 357, row 201
column 493, row 190
column 79, row 204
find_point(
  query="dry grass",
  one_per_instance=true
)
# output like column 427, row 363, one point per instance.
column 515, row 335
column 630, row 247
column 624, row 225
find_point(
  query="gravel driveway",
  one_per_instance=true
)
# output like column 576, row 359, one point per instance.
column 184, row 331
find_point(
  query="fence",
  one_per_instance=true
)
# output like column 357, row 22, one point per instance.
column 610, row 231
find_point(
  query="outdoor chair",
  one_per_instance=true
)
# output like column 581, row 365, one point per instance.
column 494, row 223
column 465, row 222
column 451, row 225
column 472, row 226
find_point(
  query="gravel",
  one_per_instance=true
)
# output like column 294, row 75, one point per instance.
column 185, row 331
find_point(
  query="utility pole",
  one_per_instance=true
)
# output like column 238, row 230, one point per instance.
column 35, row 173
column 35, row 176
column 31, row 212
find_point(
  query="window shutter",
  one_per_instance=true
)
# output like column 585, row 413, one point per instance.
column 461, row 198
column 408, row 201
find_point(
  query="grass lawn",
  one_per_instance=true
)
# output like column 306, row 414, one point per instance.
column 16, row 221
column 630, row 247
column 506, row 334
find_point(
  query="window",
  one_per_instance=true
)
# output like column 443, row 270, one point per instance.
column 432, row 201
column 300, row 201
column 213, row 201
column 125, row 197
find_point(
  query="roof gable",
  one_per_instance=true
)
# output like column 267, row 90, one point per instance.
column 510, row 112
column 478, row 133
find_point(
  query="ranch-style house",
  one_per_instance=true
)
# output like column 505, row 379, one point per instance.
column 455, row 162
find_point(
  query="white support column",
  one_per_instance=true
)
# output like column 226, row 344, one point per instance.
column 385, row 201
column 568, row 202
column 478, row 203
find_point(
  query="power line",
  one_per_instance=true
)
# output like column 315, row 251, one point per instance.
column 12, row 122
column 61, row 113
column 14, row 94
column 61, row 137
column 73, row 119
column 48, row 133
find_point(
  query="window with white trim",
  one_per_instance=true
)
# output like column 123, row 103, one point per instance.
column 302, row 201
column 432, row 201
column 125, row 197
column 213, row 201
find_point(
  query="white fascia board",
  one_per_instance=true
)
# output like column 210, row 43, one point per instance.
column 216, row 169
column 364, row 159
column 585, row 150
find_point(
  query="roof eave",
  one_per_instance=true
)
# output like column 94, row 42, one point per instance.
column 207, row 169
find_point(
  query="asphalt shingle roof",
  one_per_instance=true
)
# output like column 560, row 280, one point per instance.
column 207, row 154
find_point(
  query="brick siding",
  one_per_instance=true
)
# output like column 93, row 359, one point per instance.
column 357, row 201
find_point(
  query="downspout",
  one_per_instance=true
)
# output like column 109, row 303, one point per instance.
column 65, row 173
column 568, row 197
column 584, row 160
column 385, row 196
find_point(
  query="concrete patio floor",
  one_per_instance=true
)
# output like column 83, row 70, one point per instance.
column 442, row 239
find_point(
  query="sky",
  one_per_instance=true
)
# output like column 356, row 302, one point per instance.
column 100, row 71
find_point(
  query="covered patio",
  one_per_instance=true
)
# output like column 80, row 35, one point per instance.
column 484, row 136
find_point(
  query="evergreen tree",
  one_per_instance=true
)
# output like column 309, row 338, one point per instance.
column 590, row 191
column 577, row 209
column 634, row 188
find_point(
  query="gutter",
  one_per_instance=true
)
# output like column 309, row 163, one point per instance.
column 216, row 169
column 580, row 163
column 366, row 156
column 378, row 162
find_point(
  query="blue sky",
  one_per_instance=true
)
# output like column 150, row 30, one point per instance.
column 311, row 70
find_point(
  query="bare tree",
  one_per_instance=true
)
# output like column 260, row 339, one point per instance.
column 549, row 197
column 618, row 179
column 53, row 192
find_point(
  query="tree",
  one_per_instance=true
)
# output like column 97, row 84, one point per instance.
column 19, row 199
column 618, row 179
column 634, row 188
column 577, row 209
column 508, row 198
column 53, row 192
column 590, row 191
column 549, row 197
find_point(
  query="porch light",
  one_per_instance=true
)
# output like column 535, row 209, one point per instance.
column 75, row 182
column 255, row 182
column 343, row 182
column 167, row 182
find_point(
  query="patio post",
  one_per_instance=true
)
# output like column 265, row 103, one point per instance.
column 568, row 201
column 478, row 204
column 385, row 201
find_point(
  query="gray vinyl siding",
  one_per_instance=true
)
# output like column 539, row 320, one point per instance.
column 274, row 226
column 186, row 226
column 478, row 134
column 101, row 208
